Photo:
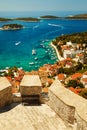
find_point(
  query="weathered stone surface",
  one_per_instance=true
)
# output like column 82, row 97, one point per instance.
column 69, row 106
column 5, row 92
column 31, row 118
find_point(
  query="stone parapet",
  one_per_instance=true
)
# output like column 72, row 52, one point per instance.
column 70, row 107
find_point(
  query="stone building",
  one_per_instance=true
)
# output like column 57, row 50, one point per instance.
column 5, row 92
column 31, row 89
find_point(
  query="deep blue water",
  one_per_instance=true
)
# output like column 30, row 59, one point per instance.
column 34, row 35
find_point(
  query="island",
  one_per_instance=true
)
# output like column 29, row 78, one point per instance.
column 5, row 19
column 79, row 16
column 11, row 27
column 49, row 17
column 28, row 19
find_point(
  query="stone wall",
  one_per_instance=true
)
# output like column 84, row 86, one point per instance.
column 27, row 90
column 69, row 106
column 81, row 124
column 65, row 111
column 5, row 96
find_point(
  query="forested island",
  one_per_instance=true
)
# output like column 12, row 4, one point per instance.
column 5, row 19
column 12, row 27
column 28, row 19
column 79, row 16
column 48, row 17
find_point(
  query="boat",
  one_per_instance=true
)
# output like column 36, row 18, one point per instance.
column 36, row 58
column 31, row 63
column 33, row 52
column 17, row 43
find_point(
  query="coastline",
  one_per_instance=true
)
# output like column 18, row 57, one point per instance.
column 57, row 53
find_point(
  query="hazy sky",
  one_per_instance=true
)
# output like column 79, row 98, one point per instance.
column 43, row 5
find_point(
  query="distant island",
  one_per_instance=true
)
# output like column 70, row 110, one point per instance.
column 5, row 19
column 48, row 17
column 79, row 16
column 28, row 19
column 11, row 27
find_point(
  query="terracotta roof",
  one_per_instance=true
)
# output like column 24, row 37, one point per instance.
column 79, row 54
column 76, row 75
column 9, row 78
column 45, row 89
column 73, row 90
column 69, row 59
column 61, row 76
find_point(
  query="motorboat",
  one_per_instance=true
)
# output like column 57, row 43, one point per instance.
column 31, row 63
column 33, row 52
column 17, row 43
column 36, row 58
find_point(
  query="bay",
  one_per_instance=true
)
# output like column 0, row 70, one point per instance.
column 35, row 35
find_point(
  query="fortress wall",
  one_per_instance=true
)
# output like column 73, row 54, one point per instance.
column 69, row 106
column 5, row 96
column 80, row 123
column 65, row 111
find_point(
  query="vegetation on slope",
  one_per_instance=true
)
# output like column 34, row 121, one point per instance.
column 74, row 38
column 79, row 16
column 49, row 17
column 5, row 19
column 28, row 19
column 12, row 26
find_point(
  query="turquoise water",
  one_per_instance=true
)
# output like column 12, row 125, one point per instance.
column 16, row 46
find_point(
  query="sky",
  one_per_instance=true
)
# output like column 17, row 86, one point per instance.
column 43, row 5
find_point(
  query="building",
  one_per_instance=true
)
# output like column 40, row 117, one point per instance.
column 5, row 92
column 31, row 89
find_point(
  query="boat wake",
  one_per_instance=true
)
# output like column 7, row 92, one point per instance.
column 36, row 26
column 17, row 43
column 55, row 25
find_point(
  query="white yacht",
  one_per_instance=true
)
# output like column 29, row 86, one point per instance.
column 33, row 52
column 17, row 43
column 31, row 63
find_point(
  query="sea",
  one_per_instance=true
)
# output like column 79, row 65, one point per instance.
column 16, row 46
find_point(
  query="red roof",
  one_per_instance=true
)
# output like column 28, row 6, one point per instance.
column 61, row 76
column 73, row 90
column 76, row 75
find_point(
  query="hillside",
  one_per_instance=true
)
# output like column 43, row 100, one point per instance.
column 74, row 38
column 49, row 17
column 79, row 16
column 5, row 19
column 28, row 19
column 11, row 26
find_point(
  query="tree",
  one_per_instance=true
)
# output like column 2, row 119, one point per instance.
column 75, row 84
column 83, row 93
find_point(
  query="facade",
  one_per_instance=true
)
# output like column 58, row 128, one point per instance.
column 5, row 92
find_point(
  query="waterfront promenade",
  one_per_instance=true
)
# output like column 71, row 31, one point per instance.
column 58, row 55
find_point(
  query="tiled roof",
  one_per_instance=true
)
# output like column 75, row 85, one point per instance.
column 76, row 75
column 61, row 76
